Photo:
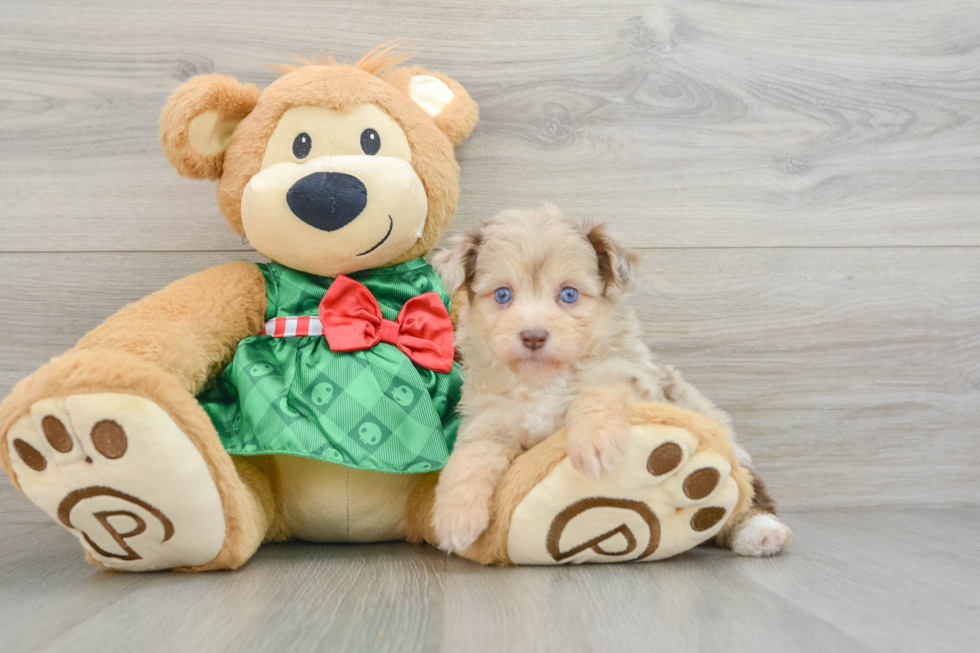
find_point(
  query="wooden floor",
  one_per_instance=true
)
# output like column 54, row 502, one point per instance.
column 857, row 580
column 803, row 179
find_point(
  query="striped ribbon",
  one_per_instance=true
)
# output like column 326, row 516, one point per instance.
column 284, row 327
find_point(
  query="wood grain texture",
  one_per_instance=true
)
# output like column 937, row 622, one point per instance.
column 850, row 373
column 863, row 580
column 689, row 124
column 15, row 509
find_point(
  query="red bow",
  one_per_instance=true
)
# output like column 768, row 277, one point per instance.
column 352, row 321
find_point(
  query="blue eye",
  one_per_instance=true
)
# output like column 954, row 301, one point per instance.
column 502, row 295
column 568, row 295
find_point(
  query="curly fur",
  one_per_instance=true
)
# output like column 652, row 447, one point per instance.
column 594, row 375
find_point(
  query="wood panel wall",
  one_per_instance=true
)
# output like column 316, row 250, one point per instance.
column 804, row 180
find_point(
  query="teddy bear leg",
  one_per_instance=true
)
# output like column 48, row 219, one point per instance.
column 113, row 449
column 259, row 518
column 418, row 511
column 678, row 485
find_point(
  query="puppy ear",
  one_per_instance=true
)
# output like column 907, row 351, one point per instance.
column 444, row 99
column 457, row 263
column 198, row 121
column 617, row 263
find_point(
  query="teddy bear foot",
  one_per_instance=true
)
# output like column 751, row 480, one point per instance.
column 670, row 493
column 118, row 473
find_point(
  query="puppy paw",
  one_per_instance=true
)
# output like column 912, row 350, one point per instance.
column 762, row 535
column 458, row 525
column 595, row 445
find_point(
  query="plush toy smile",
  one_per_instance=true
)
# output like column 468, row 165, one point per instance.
column 391, row 225
column 334, row 214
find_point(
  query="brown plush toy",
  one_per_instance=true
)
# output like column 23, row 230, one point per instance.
column 312, row 397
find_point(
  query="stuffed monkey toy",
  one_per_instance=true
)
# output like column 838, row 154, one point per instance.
column 312, row 397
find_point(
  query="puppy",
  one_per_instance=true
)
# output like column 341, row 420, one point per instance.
column 546, row 339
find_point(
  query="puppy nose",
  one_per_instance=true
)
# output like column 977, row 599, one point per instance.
column 534, row 338
column 327, row 200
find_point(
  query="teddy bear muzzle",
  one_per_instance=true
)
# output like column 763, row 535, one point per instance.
column 327, row 200
column 334, row 214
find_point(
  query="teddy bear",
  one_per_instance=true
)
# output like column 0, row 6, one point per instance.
column 313, row 397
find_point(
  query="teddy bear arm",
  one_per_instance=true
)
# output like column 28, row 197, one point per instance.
column 192, row 327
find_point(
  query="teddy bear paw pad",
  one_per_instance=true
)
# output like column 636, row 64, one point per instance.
column 120, row 475
column 667, row 496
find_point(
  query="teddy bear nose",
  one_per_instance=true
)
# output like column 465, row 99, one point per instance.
column 327, row 200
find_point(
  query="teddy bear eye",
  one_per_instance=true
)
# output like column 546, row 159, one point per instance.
column 370, row 141
column 302, row 145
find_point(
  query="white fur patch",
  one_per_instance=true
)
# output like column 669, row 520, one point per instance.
column 430, row 93
column 122, row 478
column 763, row 535
column 543, row 410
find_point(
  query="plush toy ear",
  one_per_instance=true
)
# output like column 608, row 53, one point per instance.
column 617, row 263
column 457, row 263
column 444, row 99
column 198, row 121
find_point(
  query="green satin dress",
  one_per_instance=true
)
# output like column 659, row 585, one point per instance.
column 373, row 409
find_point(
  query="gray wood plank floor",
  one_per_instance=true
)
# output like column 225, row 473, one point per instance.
column 858, row 580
